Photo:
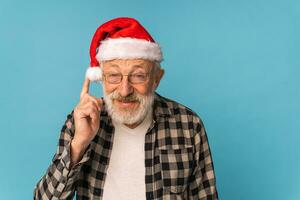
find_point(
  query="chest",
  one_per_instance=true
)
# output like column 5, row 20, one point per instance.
column 166, row 157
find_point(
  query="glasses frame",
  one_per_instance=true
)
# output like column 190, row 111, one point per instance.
column 129, row 79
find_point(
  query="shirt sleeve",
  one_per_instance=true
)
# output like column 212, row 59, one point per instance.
column 203, row 182
column 59, row 181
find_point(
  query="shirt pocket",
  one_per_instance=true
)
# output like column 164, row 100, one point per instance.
column 176, row 168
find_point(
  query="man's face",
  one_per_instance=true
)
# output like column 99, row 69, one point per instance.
column 128, row 99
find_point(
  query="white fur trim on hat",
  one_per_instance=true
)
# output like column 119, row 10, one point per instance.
column 94, row 73
column 128, row 48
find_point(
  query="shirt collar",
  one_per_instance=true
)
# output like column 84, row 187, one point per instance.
column 160, row 107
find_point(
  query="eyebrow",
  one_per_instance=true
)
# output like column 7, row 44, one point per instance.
column 114, row 65
column 134, row 67
column 139, row 67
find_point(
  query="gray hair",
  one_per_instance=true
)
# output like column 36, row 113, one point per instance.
column 156, row 67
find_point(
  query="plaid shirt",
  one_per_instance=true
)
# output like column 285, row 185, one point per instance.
column 178, row 163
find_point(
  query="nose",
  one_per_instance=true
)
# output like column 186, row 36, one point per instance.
column 125, row 87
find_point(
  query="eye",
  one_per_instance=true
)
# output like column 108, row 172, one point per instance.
column 139, row 75
column 113, row 75
column 138, row 78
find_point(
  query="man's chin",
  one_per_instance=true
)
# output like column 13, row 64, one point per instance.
column 129, row 112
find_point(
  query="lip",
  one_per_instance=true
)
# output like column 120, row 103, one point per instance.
column 126, row 105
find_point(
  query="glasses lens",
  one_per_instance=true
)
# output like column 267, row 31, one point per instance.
column 138, row 78
column 114, row 78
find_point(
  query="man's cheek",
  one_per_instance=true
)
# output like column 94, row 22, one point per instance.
column 107, row 89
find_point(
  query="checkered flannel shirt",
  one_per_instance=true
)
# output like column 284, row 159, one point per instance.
column 178, row 162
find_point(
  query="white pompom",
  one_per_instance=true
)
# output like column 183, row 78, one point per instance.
column 94, row 73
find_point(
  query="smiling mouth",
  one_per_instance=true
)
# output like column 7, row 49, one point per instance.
column 126, row 104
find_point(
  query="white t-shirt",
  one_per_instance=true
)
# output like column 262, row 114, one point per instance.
column 126, row 171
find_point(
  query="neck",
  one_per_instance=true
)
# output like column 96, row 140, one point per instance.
column 132, row 126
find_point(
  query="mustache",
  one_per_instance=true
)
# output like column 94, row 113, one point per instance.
column 129, row 98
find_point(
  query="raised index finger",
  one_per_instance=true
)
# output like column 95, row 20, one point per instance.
column 85, row 87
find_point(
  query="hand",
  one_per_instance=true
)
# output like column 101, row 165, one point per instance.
column 86, row 118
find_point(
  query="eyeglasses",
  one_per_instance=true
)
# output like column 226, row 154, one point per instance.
column 136, row 78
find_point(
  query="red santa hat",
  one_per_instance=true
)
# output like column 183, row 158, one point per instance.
column 121, row 38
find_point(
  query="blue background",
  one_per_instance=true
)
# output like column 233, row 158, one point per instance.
column 235, row 62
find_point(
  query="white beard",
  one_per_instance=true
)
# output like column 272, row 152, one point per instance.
column 131, row 116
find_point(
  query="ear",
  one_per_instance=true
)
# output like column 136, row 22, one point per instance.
column 159, row 74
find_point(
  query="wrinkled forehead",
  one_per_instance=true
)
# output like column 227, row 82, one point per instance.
column 128, row 64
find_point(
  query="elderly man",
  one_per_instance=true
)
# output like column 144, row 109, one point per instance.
column 132, row 144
